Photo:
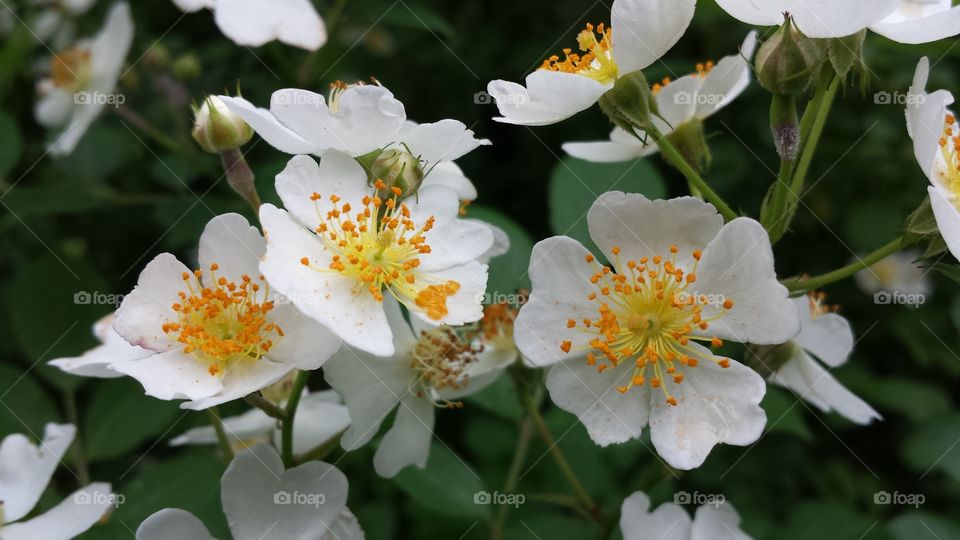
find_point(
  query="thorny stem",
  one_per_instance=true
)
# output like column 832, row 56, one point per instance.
column 286, row 434
column 217, row 423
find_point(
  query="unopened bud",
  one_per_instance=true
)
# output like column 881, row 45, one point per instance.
column 788, row 62
column 689, row 140
column 630, row 103
column 217, row 130
column 187, row 67
column 396, row 167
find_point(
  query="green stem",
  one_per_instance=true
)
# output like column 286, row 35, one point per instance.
column 513, row 475
column 817, row 282
column 820, row 109
column 778, row 205
column 217, row 423
column 293, row 402
column 144, row 125
column 671, row 154
column 257, row 400
column 79, row 457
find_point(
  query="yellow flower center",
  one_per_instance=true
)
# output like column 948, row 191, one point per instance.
column 497, row 325
column 703, row 69
column 440, row 358
column 647, row 315
column 224, row 323
column 380, row 247
column 950, row 151
column 596, row 61
column 70, row 69
column 818, row 305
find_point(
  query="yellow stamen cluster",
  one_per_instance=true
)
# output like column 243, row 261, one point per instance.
column 380, row 246
column 337, row 88
column 950, row 150
column 596, row 61
column 818, row 305
column 224, row 322
column 703, row 69
column 646, row 314
column 441, row 357
column 70, row 69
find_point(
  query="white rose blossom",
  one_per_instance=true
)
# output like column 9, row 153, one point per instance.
column 263, row 501
column 936, row 145
column 25, row 471
column 827, row 337
column 359, row 119
column 691, row 98
column 815, row 18
column 82, row 80
column 254, row 23
column 342, row 246
column 640, row 32
column 623, row 342
column 220, row 332
column 718, row 521
column 431, row 367
column 920, row 21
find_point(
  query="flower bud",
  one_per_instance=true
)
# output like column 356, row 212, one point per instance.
column 217, row 130
column 395, row 168
column 788, row 62
column 187, row 67
column 689, row 140
column 630, row 103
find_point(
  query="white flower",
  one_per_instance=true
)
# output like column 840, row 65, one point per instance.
column 815, row 18
column 263, row 501
column 641, row 31
column 359, row 119
column 96, row 362
column 624, row 341
column 25, row 471
column 828, row 337
column 343, row 245
column 220, row 332
column 718, row 521
column 691, row 98
column 896, row 273
column 82, row 80
column 320, row 417
column 936, row 145
column 256, row 22
column 431, row 367
column 920, row 21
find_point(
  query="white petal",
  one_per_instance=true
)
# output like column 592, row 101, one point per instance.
column 644, row 228
column 644, row 30
column 441, row 141
column 754, row 12
column 838, row 18
column 738, row 266
column 933, row 27
column 262, row 501
column 501, row 243
column 110, row 47
column 607, row 151
column 95, row 362
column 194, row 5
column 667, row 522
column 453, row 241
column 925, row 118
column 715, row 405
column 306, row 343
column 408, row 441
column 318, row 421
column 71, row 518
column 26, row 469
column 234, row 245
column 257, row 22
column 948, row 219
column 713, row 521
column 337, row 174
column 811, row 382
column 345, row 528
column 68, row 139
column 609, row 416
column 54, row 108
column 240, row 379
column 549, row 97
column 268, row 127
column 561, row 284
column 253, row 425
column 827, row 336
column 449, row 175
column 727, row 80
column 144, row 311
column 173, row 524
column 172, row 375
column 466, row 305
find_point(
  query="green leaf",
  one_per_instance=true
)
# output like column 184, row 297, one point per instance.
column 575, row 184
column 120, row 418
column 508, row 272
column 913, row 525
column 915, row 399
column 418, row 17
column 824, row 520
column 499, row 398
column 12, row 146
column 934, row 446
column 26, row 407
column 446, row 485
column 784, row 414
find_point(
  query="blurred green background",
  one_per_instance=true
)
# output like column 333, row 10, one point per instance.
column 91, row 221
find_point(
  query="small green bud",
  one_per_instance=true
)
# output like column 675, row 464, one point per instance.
column 630, row 103
column 216, row 129
column 788, row 62
column 396, row 168
column 187, row 67
column 689, row 140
